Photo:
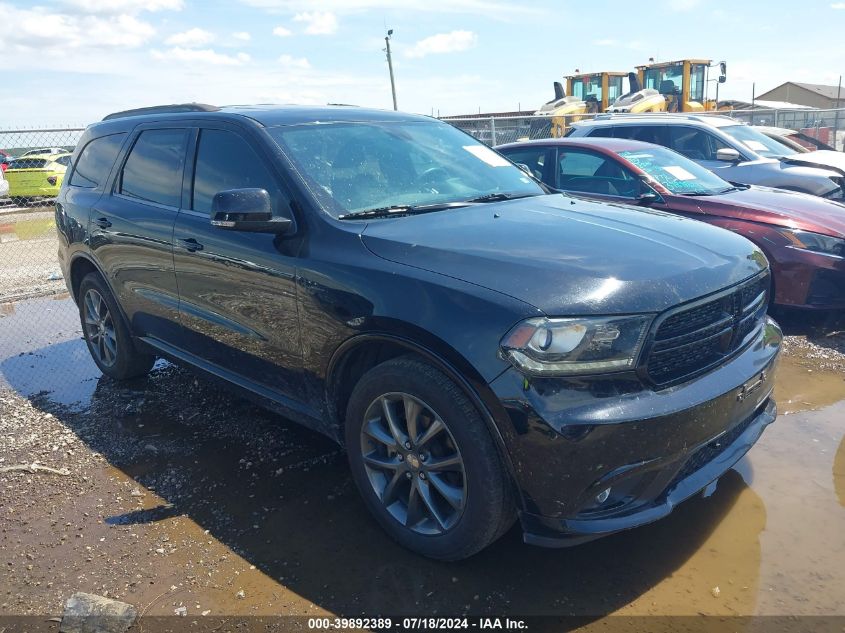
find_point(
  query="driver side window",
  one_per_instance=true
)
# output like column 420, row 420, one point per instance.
column 693, row 143
column 226, row 161
column 583, row 171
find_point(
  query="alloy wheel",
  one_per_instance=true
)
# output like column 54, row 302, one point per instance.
column 413, row 463
column 99, row 328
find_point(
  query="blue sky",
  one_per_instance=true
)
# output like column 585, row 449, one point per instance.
column 73, row 61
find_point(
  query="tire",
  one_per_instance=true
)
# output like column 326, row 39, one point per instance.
column 106, row 334
column 449, row 495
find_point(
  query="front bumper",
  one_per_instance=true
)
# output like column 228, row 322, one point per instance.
column 809, row 280
column 572, row 440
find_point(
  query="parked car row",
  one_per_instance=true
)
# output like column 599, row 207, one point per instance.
column 803, row 236
column 487, row 350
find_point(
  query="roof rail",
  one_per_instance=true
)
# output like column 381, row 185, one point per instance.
column 174, row 108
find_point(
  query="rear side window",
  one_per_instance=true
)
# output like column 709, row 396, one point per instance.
column 587, row 172
column 604, row 131
column 647, row 133
column 226, row 161
column 153, row 171
column 64, row 161
column 95, row 161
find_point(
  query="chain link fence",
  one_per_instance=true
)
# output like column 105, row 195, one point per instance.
column 826, row 126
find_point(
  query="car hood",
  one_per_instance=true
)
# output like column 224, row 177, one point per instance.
column 569, row 256
column 781, row 207
column 822, row 158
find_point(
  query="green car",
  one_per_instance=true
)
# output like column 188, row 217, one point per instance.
column 37, row 176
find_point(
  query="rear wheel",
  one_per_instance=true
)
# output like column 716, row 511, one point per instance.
column 424, row 461
column 106, row 335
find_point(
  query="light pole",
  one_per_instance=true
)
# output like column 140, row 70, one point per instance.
column 390, row 66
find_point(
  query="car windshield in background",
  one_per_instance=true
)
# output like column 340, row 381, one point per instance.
column 678, row 174
column 756, row 141
column 363, row 166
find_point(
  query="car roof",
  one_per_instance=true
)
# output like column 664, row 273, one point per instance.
column 610, row 144
column 265, row 115
column 712, row 120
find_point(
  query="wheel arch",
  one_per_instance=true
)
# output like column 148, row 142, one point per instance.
column 360, row 353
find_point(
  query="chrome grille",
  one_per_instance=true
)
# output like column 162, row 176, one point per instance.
column 692, row 340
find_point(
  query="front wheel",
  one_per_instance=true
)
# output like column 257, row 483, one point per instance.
column 425, row 462
column 106, row 335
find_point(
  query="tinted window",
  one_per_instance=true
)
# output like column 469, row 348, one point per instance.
column 647, row 133
column 153, row 171
column 532, row 157
column 587, row 172
column 95, row 161
column 694, row 143
column 63, row 160
column 605, row 131
column 226, row 161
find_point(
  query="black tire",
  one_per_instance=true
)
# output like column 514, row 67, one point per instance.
column 487, row 507
column 118, row 359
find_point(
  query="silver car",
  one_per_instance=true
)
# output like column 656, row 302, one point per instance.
column 735, row 151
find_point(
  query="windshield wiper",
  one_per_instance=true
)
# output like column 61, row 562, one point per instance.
column 396, row 210
column 496, row 197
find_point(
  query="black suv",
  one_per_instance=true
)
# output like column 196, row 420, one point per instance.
column 483, row 350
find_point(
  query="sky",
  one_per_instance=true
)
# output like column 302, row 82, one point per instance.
column 70, row 62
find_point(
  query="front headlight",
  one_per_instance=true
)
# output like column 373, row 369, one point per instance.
column 815, row 242
column 589, row 345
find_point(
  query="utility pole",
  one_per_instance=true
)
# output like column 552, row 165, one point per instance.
column 390, row 66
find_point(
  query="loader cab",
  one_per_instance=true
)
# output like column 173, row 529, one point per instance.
column 682, row 83
column 597, row 90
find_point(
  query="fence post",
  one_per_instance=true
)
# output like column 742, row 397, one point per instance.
column 492, row 131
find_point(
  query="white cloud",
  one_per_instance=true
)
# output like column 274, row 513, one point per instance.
column 281, row 31
column 52, row 33
column 243, row 36
column 202, row 56
column 124, row 6
column 318, row 23
column 191, row 38
column 294, row 62
column 451, row 42
column 487, row 8
column 606, row 42
column 838, row 5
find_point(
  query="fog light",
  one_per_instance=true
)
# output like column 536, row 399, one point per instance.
column 603, row 496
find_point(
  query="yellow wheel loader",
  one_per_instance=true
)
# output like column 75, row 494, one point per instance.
column 681, row 84
column 597, row 90
column 554, row 116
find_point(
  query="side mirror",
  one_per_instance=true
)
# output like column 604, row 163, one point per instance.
column 647, row 196
column 728, row 155
column 246, row 210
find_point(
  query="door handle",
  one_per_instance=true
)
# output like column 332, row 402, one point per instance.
column 190, row 244
column 103, row 223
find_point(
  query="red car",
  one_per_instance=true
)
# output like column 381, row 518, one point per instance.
column 5, row 159
column 803, row 236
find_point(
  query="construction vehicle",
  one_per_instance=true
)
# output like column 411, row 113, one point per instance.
column 554, row 116
column 597, row 90
column 680, row 83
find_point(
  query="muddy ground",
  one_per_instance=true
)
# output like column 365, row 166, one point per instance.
column 179, row 494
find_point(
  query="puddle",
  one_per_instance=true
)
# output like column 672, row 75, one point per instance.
column 233, row 498
column 801, row 387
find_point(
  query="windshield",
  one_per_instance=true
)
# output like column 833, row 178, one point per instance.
column 360, row 166
column 756, row 141
column 677, row 173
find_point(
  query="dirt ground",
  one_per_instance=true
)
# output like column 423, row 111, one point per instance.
column 178, row 494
